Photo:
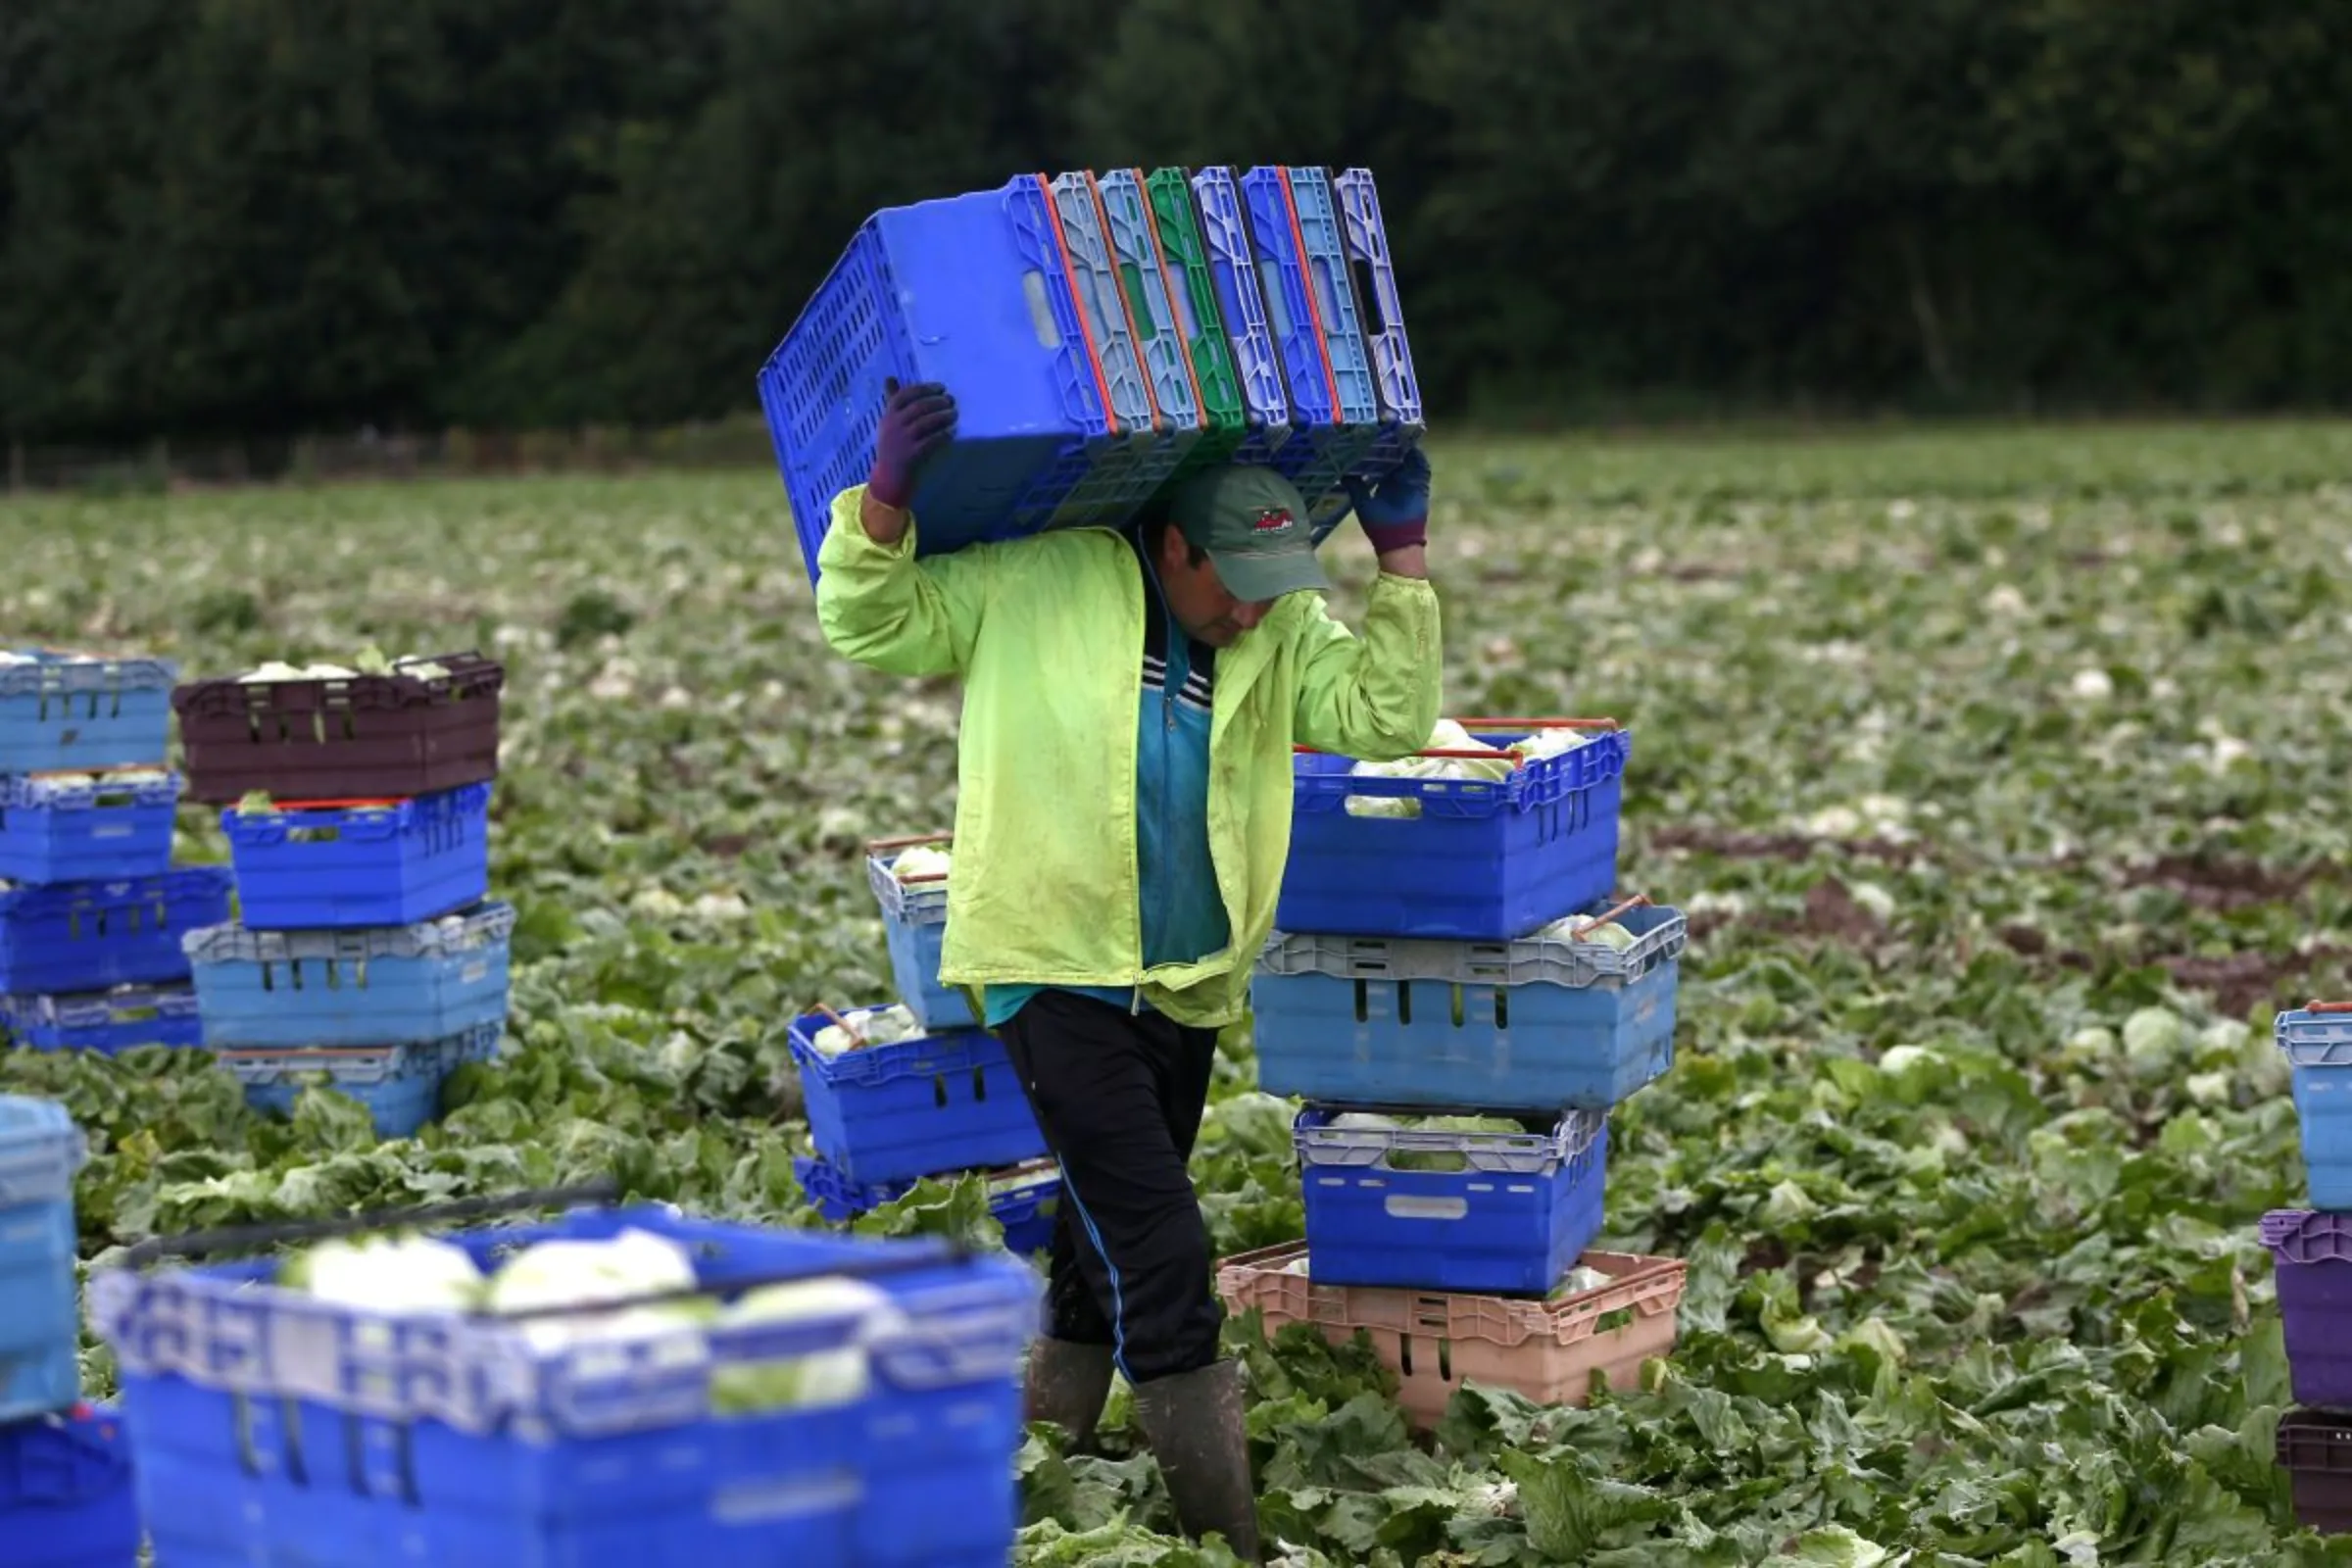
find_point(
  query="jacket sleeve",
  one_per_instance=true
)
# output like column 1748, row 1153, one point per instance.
column 881, row 607
column 1375, row 697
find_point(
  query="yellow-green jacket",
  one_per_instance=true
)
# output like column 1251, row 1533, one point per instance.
column 1047, row 633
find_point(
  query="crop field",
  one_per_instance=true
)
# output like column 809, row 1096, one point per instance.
column 2001, row 775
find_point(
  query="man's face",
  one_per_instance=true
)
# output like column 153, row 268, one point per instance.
column 1199, row 599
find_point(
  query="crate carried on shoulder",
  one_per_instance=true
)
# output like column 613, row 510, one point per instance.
column 627, row 1387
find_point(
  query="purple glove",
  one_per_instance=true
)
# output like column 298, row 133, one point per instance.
column 1396, row 515
column 916, row 422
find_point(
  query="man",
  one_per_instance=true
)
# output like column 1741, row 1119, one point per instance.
column 1122, row 820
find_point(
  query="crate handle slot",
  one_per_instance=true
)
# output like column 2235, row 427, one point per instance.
column 1403, row 1206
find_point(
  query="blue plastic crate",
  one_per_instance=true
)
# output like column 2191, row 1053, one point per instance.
column 95, row 935
column 1147, row 295
column 974, row 292
column 63, row 711
column 394, row 986
column 1025, row 1200
column 1324, row 249
column 1485, row 859
column 87, row 828
column 1381, row 310
column 1232, row 263
column 915, row 920
column 1533, row 1025
column 1510, row 1222
column 40, row 1149
column 105, row 1021
column 66, row 1494
column 271, row 1428
column 1329, row 440
column 934, row 1103
column 360, row 864
column 400, row 1085
column 2317, row 1041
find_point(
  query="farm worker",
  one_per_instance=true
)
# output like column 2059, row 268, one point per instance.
column 1123, row 814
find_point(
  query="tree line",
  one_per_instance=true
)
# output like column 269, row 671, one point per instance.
column 253, row 217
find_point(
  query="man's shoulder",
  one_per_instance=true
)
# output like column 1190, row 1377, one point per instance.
column 1060, row 553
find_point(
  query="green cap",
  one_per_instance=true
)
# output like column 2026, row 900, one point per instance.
column 1252, row 522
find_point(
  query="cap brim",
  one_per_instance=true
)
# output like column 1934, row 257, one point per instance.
column 1255, row 576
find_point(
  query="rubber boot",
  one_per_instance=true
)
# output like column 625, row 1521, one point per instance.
column 1195, row 1423
column 1067, row 1386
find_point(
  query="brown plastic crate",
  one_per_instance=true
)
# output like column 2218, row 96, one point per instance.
column 371, row 737
column 1435, row 1339
column 2315, row 1450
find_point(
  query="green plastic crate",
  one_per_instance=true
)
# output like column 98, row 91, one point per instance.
column 1171, row 195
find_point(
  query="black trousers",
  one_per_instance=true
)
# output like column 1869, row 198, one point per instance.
column 1119, row 1098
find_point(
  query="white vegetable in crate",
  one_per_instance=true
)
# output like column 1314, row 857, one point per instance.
column 868, row 1026
column 388, row 1274
column 569, row 1273
column 1451, row 736
column 925, row 860
column 838, row 1375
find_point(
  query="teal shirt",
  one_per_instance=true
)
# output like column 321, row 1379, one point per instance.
column 1183, row 913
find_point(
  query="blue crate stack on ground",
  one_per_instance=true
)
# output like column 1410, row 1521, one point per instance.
column 1436, row 956
column 933, row 1093
column 368, row 953
column 91, row 906
column 65, row 1472
column 864, row 1408
column 1067, row 314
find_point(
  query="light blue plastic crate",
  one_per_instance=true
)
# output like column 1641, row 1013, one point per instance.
column 1512, row 1221
column 1325, row 253
column 1485, row 859
column 66, row 1496
column 1145, row 290
column 40, row 1149
column 393, row 985
column 85, row 827
column 271, row 1428
column 915, row 920
column 63, row 711
column 1026, row 1199
column 2317, row 1041
column 106, row 1022
column 1381, row 312
column 400, row 1085
column 95, row 935
column 360, row 864
column 974, row 292
column 1537, row 1025
column 933, row 1103
column 1232, row 263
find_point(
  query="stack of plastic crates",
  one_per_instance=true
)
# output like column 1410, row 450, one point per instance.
column 942, row 1100
column 65, row 1497
column 1106, row 334
column 2312, row 1253
column 863, row 1408
column 91, row 909
column 1436, row 960
column 368, row 948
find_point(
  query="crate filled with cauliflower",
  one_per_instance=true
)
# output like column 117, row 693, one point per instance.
column 1579, row 1015
column 615, row 1388
column 1494, row 829
column 889, row 1101
column 909, row 879
column 1497, row 1203
column 64, row 712
column 99, row 826
column 378, row 728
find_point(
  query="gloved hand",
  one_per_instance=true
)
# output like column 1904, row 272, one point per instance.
column 918, row 421
column 1396, row 515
